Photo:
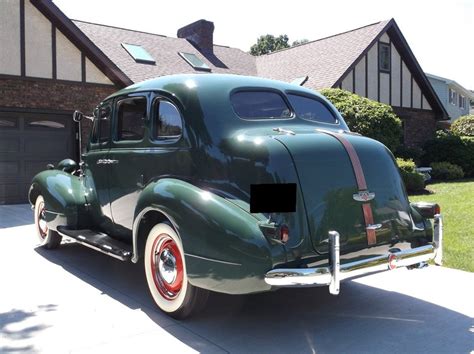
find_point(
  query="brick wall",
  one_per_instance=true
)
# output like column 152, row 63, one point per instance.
column 419, row 125
column 53, row 95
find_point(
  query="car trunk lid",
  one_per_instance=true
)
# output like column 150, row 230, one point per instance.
column 351, row 185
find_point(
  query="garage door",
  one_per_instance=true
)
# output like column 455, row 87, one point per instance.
column 28, row 142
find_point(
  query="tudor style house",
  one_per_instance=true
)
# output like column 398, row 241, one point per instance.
column 51, row 65
column 454, row 97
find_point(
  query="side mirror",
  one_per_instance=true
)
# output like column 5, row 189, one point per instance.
column 77, row 116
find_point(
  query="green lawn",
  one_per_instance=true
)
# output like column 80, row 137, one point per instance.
column 457, row 206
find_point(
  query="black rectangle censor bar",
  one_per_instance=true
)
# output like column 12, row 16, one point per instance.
column 273, row 198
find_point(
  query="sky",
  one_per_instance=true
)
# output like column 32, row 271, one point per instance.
column 439, row 32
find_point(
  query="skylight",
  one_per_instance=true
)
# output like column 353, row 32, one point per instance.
column 194, row 61
column 139, row 54
column 300, row 80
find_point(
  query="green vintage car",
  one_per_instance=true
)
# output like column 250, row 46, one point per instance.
column 236, row 185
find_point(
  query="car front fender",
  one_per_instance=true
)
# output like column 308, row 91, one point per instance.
column 224, row 247
column 63, row 195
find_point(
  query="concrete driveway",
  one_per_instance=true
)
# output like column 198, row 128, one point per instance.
column 77, row 300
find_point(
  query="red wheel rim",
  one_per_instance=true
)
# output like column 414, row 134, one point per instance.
column 42, row 226
column 167, row 266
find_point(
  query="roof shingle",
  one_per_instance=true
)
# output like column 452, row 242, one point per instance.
column 324, row 60
column 165, row 52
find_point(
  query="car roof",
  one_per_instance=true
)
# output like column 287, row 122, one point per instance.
column 188, row 83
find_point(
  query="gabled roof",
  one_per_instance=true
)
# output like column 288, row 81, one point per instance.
column 324, row 60
column 165, row 51
column 328, row 60
column 69, row 29
column 461, row 88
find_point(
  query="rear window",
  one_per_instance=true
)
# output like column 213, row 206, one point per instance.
column 260, row 105
column 311, row 109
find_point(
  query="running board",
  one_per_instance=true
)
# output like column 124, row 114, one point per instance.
column 99, row 241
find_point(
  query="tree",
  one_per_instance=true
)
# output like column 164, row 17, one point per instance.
column 299, row 42
column 269, row 43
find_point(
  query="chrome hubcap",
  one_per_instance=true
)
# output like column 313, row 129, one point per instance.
column 167, row 266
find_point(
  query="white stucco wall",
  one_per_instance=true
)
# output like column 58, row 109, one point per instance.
column 94, row 75
column 384, row 38
column 426, row 105
column 38, row 43
column 359, row 73
column 406, row 83
column 372, row 73
column 395, row 65
column 347, row 83
column 385, row 88
column 416, row 95
column 68, row 59
column 10, row 51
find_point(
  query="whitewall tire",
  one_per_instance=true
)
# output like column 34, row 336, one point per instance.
column 47, row 238
column 165, row 270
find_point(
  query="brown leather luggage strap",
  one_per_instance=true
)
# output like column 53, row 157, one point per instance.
column 360, row 179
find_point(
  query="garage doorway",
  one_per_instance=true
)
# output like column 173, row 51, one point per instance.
column 29, row 140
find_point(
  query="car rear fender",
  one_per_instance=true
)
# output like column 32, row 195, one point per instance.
column 221, row 241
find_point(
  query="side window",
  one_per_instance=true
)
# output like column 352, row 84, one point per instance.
column 311, row 109
column 167, row 120
column 101, row 125
column 95, row 131
column 131, row 116
column 260, row 105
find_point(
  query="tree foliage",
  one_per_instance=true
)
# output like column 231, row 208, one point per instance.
column 463, row 126
column 269, row 43
column 299, row 42
column 369, row 118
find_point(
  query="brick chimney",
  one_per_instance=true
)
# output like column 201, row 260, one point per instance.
column 200, row 34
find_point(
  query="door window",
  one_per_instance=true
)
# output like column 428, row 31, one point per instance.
column 101, row 126
column 167, row 122
column 131, row 116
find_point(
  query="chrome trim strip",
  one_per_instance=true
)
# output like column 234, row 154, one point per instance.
column 212, row 259
column 334, row 285
column 438, row 238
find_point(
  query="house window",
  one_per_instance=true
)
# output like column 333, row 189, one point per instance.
column 462, row 101
column 139, row 54
column 194, row 61
column 453, row 96
column 384, row 57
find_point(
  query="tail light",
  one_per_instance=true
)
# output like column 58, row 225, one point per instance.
column 427, row 210
column 284, row 234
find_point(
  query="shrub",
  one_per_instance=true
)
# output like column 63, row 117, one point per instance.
column 414, row 181
column 453, row 149
column 409, row 153
column 463, row 126
column 446, row 170
column 369, row 118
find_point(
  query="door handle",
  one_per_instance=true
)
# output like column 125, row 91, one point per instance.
column 107, row 162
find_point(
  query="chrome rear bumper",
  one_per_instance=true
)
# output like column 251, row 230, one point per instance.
column 333, row 274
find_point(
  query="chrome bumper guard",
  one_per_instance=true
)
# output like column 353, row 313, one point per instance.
column 333, row 274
